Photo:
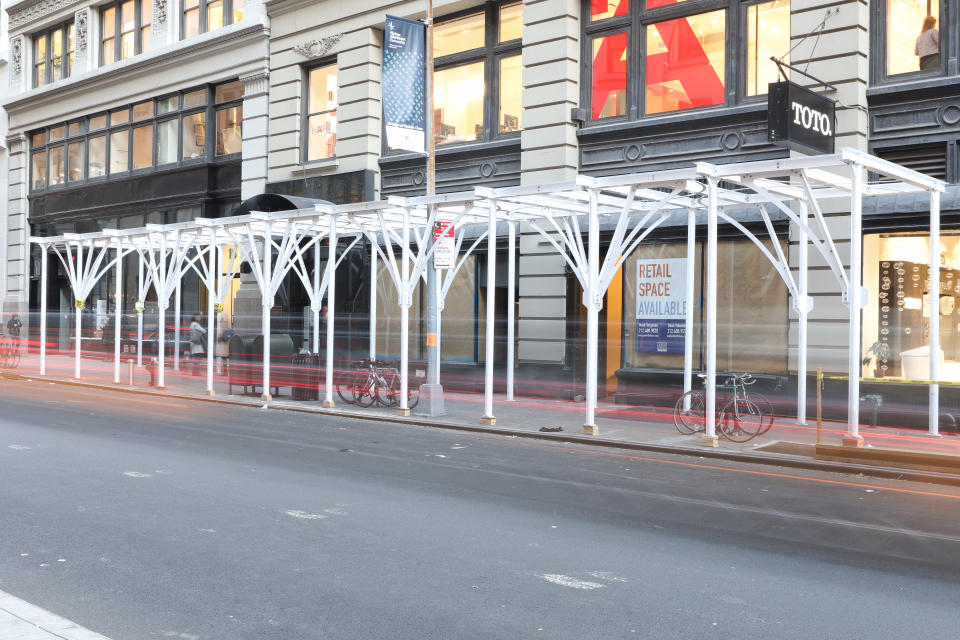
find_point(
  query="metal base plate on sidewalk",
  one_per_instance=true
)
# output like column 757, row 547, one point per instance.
column 488, row 420
column 850, row 441
column 431, row 401
column 710, row 441
column 591, row 430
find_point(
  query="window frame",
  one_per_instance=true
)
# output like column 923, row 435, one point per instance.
column 47, row 33
column 490, row 54
column 202, row 26
column 208, row 108
column 635, row 22
column 878, row 46
column 305, row 112
column 117, row 37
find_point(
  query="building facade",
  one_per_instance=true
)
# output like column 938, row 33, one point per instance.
column 525, row 92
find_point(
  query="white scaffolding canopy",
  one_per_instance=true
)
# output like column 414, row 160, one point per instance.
column 569, row 216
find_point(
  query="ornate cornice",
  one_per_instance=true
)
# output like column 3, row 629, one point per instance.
column 317, row 48
column 255, row 84
column 36, row 10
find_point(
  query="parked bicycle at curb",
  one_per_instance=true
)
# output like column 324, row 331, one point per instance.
column 742, row 416
column 375, row 381
column 10, row 345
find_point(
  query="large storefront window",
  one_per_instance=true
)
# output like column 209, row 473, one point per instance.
column 912, row 36
column 896, row 320
column 654, row 299
column 138, row 137
column 683, row 60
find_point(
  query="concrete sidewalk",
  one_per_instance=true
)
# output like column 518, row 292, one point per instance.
column 20, row 620
column 635, row 427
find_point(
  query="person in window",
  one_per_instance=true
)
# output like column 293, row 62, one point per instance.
column 928, row 45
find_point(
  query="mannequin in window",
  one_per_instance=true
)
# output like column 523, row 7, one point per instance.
column 928, row 45
column 231, row 138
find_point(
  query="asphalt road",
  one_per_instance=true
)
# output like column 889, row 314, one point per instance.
column 144, row 517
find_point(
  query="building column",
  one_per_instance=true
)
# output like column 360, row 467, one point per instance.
column 253, row 171
column 551, row 88
column 16, row 287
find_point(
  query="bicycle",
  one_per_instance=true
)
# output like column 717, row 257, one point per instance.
column 375, row 381
column 741, row 418
column 10, row 345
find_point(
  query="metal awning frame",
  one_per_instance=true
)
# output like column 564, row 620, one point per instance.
column 641, row 202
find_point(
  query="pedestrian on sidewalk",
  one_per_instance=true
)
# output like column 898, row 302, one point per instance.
column 197, row 336
column 224, row 333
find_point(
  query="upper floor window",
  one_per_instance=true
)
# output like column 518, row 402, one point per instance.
column 200, row 16
column 909, row 37
column 320, row 114
column 52, row 54
column 178, row 129
column 669, row 55
column 124, row 29
column 477, row 74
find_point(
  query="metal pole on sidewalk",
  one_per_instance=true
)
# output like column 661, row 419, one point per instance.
column 431, row 392
column 373, row 297
column 803, row 311
column 331, row 310
column 76, row 311
column 488, row 418
column 853, row 437
column 213, row 275
column 688, row 311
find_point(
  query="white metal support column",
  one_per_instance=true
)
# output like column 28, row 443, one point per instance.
column 177, row 304
column 140, row 309
column 854, row 299
column 488, row 418
column 266, row 302
column 163, row 299
column 315, row 303
column 688, row 310
column 934, row 424
column 79, row 300
column 43, row 309
column 592, row 299
column 710, row 427
column 331, row 313
column 405, row 301
column 511, row 302
column 373, row 297
column 212, row 275
column 118, row 313
column 803, row 311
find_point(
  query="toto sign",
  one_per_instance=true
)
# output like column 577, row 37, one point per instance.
column 800, row 119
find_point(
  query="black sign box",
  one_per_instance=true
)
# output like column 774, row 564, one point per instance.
column 800, row 119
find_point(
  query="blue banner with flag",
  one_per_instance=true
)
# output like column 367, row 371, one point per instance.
column 403, row 84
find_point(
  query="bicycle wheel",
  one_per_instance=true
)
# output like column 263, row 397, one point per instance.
column 388, row 392
column 14, row 353
column 364, row 393
column 346, row 391
column 740, row 421
column 766, row 411
column 413, row 396
column 692, row 419
column 4, row 351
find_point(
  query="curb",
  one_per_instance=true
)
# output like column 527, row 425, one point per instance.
column 772, row 459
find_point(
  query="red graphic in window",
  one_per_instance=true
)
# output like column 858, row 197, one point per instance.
column 684, row 61
column 602, row 7
column 609, row 71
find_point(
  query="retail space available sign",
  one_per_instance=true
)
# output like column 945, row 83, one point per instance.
column 800, row 119
column 661, row 305
column 445, row 252
column 402, row 81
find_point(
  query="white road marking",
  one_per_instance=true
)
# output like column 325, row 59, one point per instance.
column 20, row 619
column 303, row 515
column 567, row 581
column 18, row 447
column 606, row 575
column 137, row 474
